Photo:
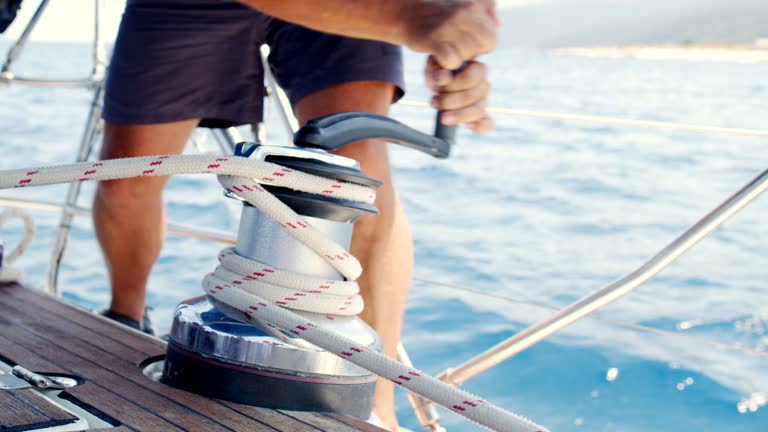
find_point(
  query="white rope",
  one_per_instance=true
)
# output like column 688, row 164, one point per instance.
column 283, row 288
column 250, row 286
column 8, row 274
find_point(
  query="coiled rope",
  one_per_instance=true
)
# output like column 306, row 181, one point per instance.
column 250, row 286
column 8, row 274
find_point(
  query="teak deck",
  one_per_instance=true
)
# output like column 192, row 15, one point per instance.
column 25, row 409
column 46, row 335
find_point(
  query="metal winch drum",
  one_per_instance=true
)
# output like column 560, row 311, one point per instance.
column 213, row 353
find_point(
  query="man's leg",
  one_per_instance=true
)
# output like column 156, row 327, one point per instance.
column 383, row 242
column 128, row 214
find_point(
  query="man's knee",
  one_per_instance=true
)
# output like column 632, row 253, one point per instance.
column 368, row 96
column 372, row 154
column 129, row 140
column 124, row 141
column 131, row 192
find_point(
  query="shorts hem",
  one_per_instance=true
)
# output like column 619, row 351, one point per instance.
column 226, row 119
column 313, row 83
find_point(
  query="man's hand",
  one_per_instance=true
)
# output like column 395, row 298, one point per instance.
column 463, row 96
column 453, row 31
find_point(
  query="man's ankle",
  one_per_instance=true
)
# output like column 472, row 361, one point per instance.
column 143, row 324
column 133, row 310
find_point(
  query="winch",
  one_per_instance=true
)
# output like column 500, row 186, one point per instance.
column 212, row 351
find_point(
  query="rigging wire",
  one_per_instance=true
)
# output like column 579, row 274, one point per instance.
column 618, row 323
column 609, row 120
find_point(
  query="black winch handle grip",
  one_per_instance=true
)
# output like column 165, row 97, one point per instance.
column 334, row 131
column 445, row 132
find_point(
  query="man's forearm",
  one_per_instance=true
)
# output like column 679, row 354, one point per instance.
column 365, row 19
column 453, row 31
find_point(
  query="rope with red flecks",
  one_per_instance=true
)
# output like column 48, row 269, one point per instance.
column 265, row 293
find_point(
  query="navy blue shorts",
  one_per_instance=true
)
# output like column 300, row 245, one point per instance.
column 179, row 59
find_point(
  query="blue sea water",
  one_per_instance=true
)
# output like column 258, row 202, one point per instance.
column 544, row 211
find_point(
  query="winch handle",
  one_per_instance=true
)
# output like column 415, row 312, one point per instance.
column 334, row 131
column 442, row 131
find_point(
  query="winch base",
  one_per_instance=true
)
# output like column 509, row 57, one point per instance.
column 268, row 388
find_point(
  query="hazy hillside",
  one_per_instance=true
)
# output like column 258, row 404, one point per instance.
column 538, row 23
column 557, row 23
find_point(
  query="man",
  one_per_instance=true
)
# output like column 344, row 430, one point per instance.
column 180, row 63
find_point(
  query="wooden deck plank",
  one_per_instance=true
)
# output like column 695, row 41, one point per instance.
column 89, row 393
column 363, row 426
column 25, row 409
column 83, row 332
column 95, row 323
column 256, row 420
column 115, row 429
column 269, row 417
column 110, row 352
column 21, row 411
column 322, row 421
column 275, row 418
column 17, row 412
column 46, row 406
column 37, row 328
column 84, row 359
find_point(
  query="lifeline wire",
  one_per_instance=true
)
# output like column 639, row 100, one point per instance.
column 226, row 238
column 609, row 120
column 242, row 283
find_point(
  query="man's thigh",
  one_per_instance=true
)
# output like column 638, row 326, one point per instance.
column 128, row 140
column 305, row 61
column 181, row 59
column 324, row 74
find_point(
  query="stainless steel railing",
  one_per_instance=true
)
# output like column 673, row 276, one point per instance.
column 98, row 72
column 92, row 128
column 599, row 299
column 612, row 291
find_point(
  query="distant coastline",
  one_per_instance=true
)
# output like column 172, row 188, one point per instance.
column 690, row 51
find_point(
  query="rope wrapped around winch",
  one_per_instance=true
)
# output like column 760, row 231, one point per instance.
column 266, row 294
